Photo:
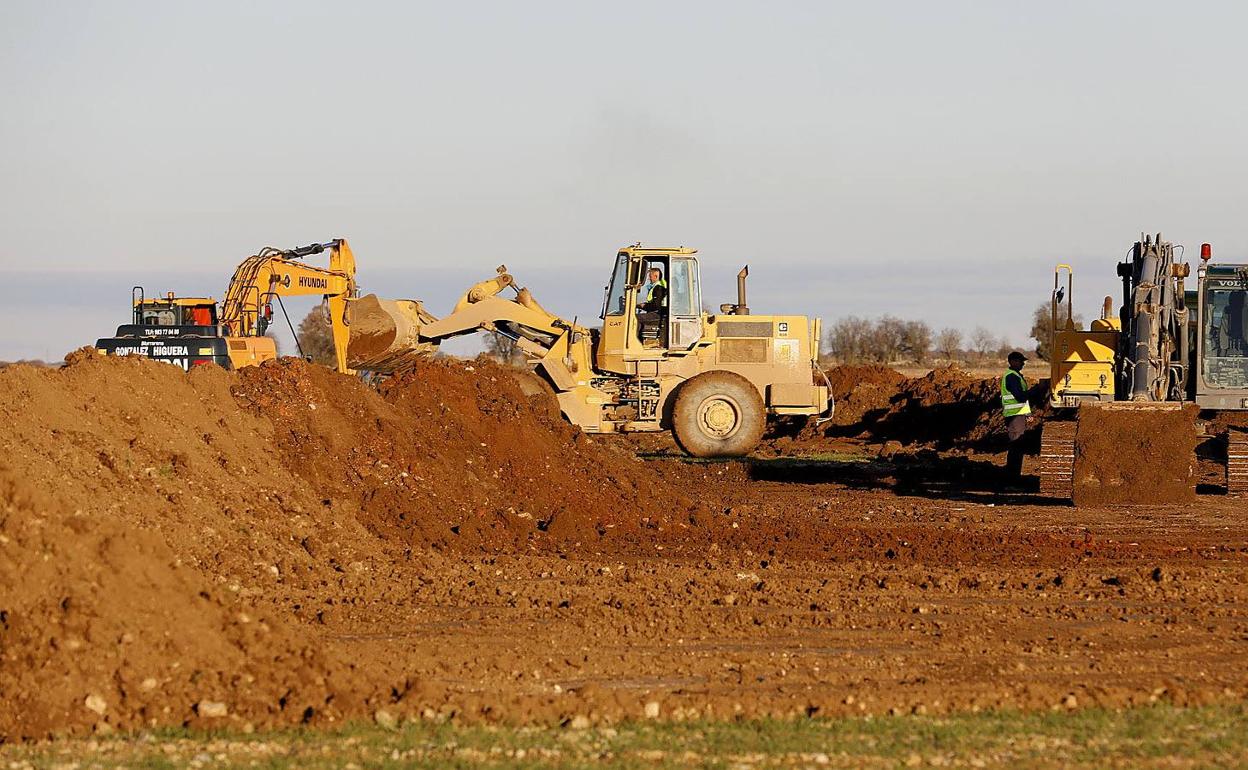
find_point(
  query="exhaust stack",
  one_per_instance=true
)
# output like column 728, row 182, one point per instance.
column 740, row 308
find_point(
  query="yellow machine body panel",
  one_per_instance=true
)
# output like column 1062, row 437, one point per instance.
column 251, row 351
column 1081, row 361
column 1082, row 366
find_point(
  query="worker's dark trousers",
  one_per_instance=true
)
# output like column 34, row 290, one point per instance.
column 1015, row 427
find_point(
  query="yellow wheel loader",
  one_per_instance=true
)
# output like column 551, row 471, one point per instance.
column 1166, row 347
column 658, row 362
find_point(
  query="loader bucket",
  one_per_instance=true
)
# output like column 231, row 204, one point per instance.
column 385, row 334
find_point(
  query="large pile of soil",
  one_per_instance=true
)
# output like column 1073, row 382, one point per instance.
column 945, row 408
column 862, row 392
column 1135, row 457
column 170, row 542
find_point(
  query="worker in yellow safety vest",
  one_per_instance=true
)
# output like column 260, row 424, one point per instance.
column 1016, row 409
column 656, row 298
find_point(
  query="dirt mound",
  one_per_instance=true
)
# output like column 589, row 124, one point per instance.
column 862, row 392
column 168, row 556
column 845, row 379
column 146, row 542
column 1133, row 457
column 946, row 408
column 454, row 455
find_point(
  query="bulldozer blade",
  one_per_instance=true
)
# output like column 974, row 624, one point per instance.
column 1121, row 453
column 385, row 334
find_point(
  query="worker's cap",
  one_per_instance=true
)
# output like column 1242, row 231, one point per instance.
column 1016, row 356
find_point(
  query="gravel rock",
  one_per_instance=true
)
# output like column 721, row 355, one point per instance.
column 95, row 703
column 211, row 709
column 385, row 719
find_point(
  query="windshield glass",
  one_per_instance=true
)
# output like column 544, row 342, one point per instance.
column 153, row 315
column 684, row 288
column 614, row 304
column 1226, row 338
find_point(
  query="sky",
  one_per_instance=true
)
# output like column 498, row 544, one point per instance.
column 928, row 160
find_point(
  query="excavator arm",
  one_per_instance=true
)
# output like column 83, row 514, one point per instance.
column 247, row 308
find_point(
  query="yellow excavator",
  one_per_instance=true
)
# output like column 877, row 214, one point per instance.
column 713, row 379
column 189, row 331
column 1165, row 347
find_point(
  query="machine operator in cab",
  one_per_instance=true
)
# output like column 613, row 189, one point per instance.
column 652, row 307
column 1016, row 409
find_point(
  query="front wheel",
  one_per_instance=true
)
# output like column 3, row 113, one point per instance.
column 718, row 414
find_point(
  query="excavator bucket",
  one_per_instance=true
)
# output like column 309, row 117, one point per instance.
column 385, row 334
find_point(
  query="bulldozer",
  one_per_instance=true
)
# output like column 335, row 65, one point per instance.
column 1166, row 347
column 713, row 379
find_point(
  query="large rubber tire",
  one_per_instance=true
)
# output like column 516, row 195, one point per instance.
column 718, row 414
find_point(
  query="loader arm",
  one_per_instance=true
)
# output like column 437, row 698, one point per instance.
column 386, row 334
column 278, row 273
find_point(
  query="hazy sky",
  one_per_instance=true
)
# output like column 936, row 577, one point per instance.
column 925, row 159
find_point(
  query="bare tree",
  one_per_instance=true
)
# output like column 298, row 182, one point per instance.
column 917, row 341
column 504, row 349
column 983, row 341
column 848, row 339
column 949, row 343
column 888, row 339
column 316, row 337
column 1042, row 326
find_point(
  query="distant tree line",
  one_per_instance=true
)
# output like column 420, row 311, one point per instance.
column 892, row 340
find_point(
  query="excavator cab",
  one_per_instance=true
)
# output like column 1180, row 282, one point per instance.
column 175, row 311
column 1223, row 336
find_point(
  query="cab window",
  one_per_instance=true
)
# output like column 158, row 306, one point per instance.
column 160, row 316
column 683, row 285
column 614, row 304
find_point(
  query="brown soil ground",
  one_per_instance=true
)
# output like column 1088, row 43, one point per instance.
column 286, row 545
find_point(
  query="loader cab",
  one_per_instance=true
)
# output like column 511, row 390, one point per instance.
column 630, row 330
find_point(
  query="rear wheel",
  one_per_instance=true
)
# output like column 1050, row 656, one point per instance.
column 718, row 414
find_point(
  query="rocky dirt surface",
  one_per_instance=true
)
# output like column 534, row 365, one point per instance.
column 285, row 545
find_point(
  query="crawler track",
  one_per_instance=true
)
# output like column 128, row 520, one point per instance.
column 1057, row 459
column 1237, row 462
